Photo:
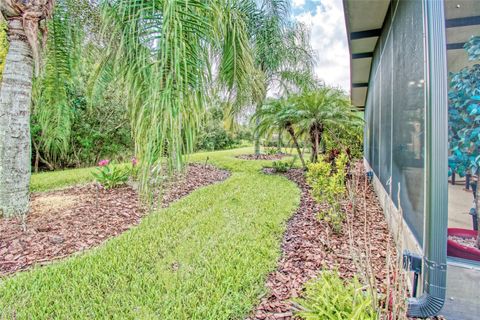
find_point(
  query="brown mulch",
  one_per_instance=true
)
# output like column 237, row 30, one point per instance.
column 309, row 246
column 276, row 156
column 66, row 221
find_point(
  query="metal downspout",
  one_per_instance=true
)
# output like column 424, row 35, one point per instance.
column 436, row 202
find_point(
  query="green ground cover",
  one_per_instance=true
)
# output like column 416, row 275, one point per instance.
column 205, row 257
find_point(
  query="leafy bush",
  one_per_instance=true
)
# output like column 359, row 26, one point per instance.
column 110, row 176
column 330, row 297
column 213, row 136
column 84, row 129
column 328, row 186
column 349, row 137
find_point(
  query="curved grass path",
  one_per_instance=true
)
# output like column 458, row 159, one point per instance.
column 205, row 257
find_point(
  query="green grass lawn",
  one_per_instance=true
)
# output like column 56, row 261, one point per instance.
column 205, row 257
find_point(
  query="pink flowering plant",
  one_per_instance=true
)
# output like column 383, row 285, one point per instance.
column 111, row 176
column 134, row 170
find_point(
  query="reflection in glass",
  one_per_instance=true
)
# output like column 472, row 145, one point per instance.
column 463, row 52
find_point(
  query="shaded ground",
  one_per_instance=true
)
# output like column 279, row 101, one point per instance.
column 75, row 219
column 277, row 156
column 309, row 246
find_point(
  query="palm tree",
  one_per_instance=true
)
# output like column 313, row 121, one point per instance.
column 321, row 112
column 283, row 57
column 23, row 19
column 165, row 55
column 277, row 116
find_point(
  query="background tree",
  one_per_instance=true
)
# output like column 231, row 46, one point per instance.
column 73, row 123
column 212, row 134
column 24, row 24
column 283, row 57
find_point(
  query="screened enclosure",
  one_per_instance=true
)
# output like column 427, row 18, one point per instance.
column 416, row 73
column 395, row 111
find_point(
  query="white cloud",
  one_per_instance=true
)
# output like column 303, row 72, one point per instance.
column 329, row 39
column 298, row 3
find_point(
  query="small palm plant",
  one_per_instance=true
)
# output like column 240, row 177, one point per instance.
column 323, row 112
column 277, row 116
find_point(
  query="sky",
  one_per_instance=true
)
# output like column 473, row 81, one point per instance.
column 328, row 38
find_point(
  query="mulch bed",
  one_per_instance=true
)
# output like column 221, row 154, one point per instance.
column 277, row 156
column 309, row 246
column 75, row 219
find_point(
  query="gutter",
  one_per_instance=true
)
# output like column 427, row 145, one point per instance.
column 436, row 167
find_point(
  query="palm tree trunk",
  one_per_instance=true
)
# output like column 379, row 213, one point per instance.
column 256, row 136
column 319, row 135
column 316, row 132
column 279, row 141
column 313, row 141
column 297, row 146
column 15, row 99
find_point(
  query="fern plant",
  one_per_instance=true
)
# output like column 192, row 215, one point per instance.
column 330, row 297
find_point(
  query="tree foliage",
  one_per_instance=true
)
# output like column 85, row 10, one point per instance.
column 70, row 125
column 164, row 55
column 151, row 68
column 212, row 134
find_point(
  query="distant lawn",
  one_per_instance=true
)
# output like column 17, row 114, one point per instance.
column 205, row 257
column 52, row 180
column 45, row 181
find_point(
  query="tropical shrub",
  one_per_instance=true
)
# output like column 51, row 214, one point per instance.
column 346, row 138
column 328, row 183
column 111, row 176
column 330, row 297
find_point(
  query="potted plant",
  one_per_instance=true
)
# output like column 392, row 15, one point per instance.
column 464, row 138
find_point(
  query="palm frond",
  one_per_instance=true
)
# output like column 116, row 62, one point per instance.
column 162, row 54
column 52, row 107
